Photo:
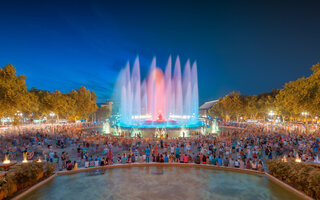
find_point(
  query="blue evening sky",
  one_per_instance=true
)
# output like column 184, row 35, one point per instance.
column 248, row 46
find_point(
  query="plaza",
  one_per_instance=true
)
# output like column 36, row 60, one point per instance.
column 159, row 100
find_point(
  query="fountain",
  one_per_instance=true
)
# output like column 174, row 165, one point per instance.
column 215, row 127
column 203, row 131
column 6, row 159
column 298, row 159
column 184, row 132
column 25, row 160
column 164, row 99
column 134, row 132
column 106, row 128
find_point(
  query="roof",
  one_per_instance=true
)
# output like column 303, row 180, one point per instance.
column 207, row 105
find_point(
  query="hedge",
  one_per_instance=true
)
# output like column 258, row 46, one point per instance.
column 23, row 176
column 301, row 176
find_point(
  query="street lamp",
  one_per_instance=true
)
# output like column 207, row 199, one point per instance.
column 305, row 114
column 19, row 114
column 315, row 120
column 52, row 114
column 271, row 114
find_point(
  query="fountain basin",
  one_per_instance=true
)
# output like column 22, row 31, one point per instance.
column 174, row 182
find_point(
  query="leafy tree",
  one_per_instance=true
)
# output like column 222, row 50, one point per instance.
column 85, row 102
column 13, row 92
column 35, row 104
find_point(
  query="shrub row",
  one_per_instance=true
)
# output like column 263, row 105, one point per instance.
column 22, row 177
column 301, row 176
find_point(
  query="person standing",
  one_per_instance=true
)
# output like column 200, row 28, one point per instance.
column 147, row 151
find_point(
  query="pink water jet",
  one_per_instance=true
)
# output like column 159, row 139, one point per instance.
column 162, row 96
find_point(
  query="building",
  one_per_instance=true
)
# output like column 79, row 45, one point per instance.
column 204, row 108
column 104, row 111
column 108, row 106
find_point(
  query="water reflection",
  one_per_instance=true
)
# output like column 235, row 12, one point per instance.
column 173, row 183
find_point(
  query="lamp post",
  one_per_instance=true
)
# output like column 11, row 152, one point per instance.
column 19, row 115
column 271, row 114
column 305, row 114
column 52, row 114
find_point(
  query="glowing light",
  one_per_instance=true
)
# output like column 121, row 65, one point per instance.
column 141, row 116
column 317, row 160
column 284, row 159
column 39, row 160
column 298, row 160
column 203, row 130
column 179, row 116
column 6, row 159
column 184, row 132
column 134, row 132
column 271, row 113
column 215, row 127
column 106, row 128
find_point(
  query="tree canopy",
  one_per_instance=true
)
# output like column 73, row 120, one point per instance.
column 34, row 104
column 302, row 95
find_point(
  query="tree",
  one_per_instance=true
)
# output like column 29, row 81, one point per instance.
column 85, row 102
column 231, row 105
column 13, row 92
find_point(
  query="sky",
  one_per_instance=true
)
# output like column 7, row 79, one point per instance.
column 246, row 46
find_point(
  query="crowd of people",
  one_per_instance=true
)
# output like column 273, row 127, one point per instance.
column 71, row 146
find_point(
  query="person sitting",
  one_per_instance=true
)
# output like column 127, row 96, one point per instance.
column 69, row 165
column 181, row 158
column 75, row 165
column 166, row 158
column 254, row 165
column 91, row 163
column 102, row 162
column 185, row 158
column 123, row 159
column 236, row 164
column 219, row 161
column 197, row 159
column 161, row 158
column 86, row 163
column 96, row 162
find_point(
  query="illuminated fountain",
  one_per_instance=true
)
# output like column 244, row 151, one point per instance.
column 106, row 128
column 203, row 130
column 184, row 132
column 25, row 160
column 6, row 159
column 117, row 131
column 134, row 132
column 298, row 159
column 164, row 99
column 39, row 160
column 215, row 127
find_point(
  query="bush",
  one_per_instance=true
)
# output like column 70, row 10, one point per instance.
column 23, row 176
column 302, row 176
